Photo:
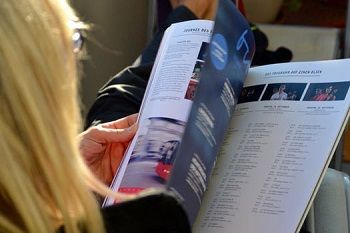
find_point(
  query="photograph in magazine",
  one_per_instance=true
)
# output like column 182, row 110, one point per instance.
column 153, row 155
column 251, row 94
column 284, row 91
column 327, row 91
column 195, row 77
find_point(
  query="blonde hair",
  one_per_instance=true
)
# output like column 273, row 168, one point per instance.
column 44, row 183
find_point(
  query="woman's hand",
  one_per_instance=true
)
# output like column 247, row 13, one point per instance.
column 103, row 146
column 203, row 9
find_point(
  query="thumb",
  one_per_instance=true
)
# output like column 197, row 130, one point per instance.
column 108, row 135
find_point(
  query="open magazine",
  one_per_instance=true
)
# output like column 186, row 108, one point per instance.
column 281, row 129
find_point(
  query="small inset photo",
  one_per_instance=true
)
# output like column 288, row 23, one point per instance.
column 191, row 89
column 203, row 51
column 284, row 91
column 250, row 94
column 327, row 91
column 153, row 156
column 196, row 73
column 197, row 70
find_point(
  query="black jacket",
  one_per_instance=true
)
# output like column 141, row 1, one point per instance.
column 159, row 213
column 156, row 213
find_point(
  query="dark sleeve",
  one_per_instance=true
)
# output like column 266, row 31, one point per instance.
column 160, row 213
column 122, row 95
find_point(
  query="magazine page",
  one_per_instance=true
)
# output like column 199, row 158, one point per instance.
column 284, row 131
column 227, row 62
column 165, row 108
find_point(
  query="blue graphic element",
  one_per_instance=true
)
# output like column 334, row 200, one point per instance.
column 242, row 44
column 218, row 51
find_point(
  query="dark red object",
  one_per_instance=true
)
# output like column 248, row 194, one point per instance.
column 163, row 170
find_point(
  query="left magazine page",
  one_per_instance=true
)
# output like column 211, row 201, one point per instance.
column 165, row 108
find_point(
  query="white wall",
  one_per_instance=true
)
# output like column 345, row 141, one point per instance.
column 120, row 27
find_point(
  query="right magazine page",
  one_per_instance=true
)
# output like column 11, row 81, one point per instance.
column 285, row 129
column 227, row 61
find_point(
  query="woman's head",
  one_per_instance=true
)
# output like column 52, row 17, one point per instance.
column 42, row 177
